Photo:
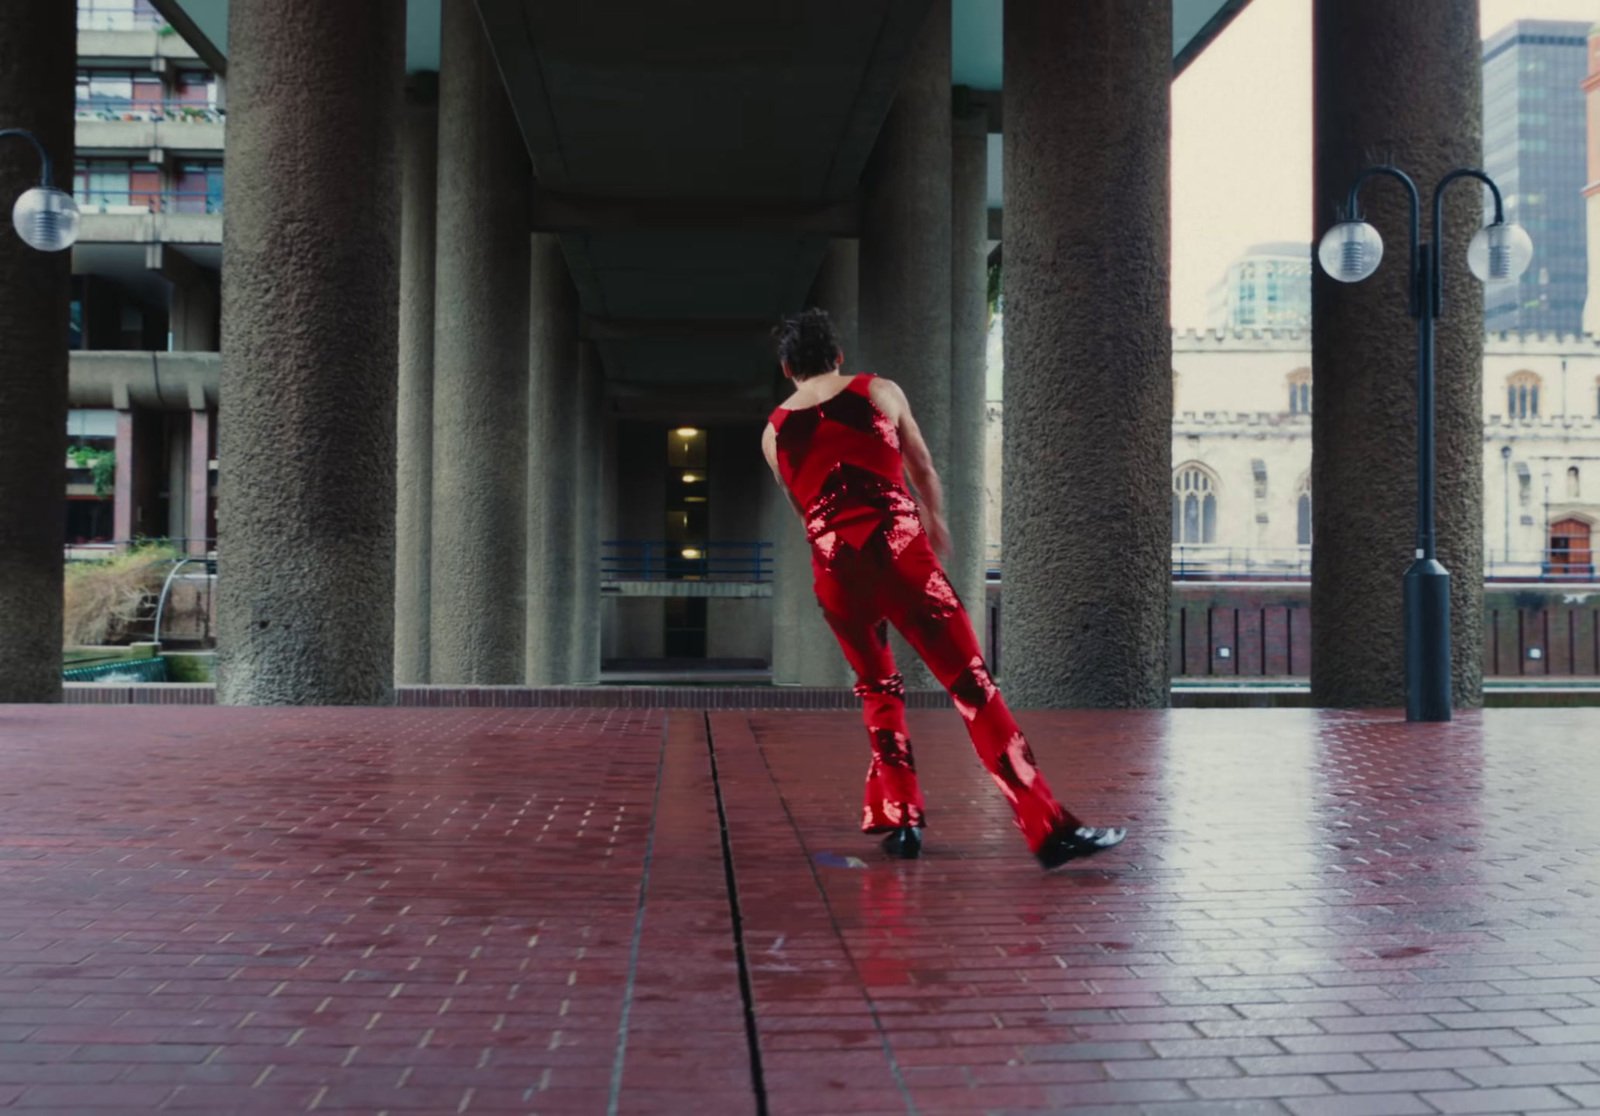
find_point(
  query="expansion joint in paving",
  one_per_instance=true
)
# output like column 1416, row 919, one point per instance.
column 752, row 1036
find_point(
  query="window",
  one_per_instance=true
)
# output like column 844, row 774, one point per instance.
column 199, row 187
column 1574, row 483
column 1194, row 505
column 196, row 87
column 1522, row 396
column 115, row 94
column 1300, row 391
column 117, row 15
column 117, row 184
column 1302, row 528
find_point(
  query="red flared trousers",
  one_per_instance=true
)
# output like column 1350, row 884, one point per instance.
column 861, row 593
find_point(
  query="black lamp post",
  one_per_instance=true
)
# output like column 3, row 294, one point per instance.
column 45, row 218
column 1349, row 253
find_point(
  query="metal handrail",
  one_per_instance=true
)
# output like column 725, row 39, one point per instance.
column 660, row 560
column 93, row 16
column 150, row 201
column 127, row 108
column 166, row 588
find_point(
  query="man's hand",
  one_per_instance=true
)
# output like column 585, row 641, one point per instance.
column 938, row 533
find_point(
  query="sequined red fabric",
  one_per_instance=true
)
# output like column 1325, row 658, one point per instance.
column 873, row 566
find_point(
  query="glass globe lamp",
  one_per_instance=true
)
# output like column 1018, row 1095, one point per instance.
column 1350, row 251
column 46, row 218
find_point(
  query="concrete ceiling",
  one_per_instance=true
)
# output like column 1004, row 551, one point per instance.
column 694, row 158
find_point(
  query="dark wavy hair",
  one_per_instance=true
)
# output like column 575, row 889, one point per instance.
column 807, row 343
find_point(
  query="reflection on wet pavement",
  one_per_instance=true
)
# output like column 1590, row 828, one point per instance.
column 530, row 911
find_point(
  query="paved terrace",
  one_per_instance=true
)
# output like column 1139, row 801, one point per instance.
column 591, row 911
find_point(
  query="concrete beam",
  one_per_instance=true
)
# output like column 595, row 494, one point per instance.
column 136, row 48
column 550, row 211
column 140, row 136
column 591, row 328
column 151, row 228
column 150, row 381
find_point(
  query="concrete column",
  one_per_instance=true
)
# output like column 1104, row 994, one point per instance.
column 906, row 255
column 804, row 650
column 38, row 57
column 552, row 466
column 480, row 355
column 969, row 335
column 1088, row 388
column 419, row 178
column 192, row 312
column 310, row 300
column 1404, row 80
column 588, row 425
column 199, row 481
column 125, row 484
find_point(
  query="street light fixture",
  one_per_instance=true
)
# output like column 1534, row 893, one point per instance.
column 1350, row 252
column 45, row 218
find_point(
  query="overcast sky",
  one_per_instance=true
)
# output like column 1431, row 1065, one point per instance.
column 1241, row 138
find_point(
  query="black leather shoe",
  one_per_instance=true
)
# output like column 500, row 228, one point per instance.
column 904, row 843
column 1059, row 848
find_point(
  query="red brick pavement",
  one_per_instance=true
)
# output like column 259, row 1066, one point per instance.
column 520, row 910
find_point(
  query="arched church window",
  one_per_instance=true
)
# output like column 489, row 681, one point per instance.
column 1574, row 483
column 1300, row 391
column 1522, row 395
column 1194, row 505
column 1302, row 529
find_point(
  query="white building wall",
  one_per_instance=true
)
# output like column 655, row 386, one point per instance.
column 1232, row 415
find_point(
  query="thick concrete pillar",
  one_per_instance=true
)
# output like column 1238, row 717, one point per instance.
column 480, row 356
column 906, row 255
column 199, row 482
column 38, row 57
column 1088, row 373
column 969, row 336
column 419, row 178
column 804, row 650
column 1404, row 80
column 588, row 425
column 552, row 465
column 310, row 301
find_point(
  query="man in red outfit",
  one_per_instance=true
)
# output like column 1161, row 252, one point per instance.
column 843, row 447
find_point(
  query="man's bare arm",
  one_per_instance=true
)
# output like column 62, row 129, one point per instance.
column 920, row 470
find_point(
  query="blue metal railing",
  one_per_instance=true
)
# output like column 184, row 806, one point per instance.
column 658, row 560
column 148, row 201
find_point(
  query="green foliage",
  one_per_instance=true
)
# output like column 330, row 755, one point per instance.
column 102, row 466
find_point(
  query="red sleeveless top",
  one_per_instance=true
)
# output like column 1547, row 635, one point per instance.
column 841, row 460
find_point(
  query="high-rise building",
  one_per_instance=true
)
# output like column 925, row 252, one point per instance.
column 1533, row 147
column 1269, row 287
column 1591, row 189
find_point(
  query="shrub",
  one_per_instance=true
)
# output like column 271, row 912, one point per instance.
column 105, row 599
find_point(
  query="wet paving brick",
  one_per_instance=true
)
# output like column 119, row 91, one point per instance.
column 528, row 910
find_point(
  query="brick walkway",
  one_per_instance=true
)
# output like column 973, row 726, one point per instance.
column 529, row 910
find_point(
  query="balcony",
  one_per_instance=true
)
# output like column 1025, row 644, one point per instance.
column 140, row 126
column 121, row 31
column 150, row 217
